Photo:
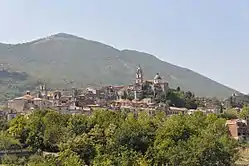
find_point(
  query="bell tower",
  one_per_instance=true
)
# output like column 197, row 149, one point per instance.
column 139, row 75
column 138, row 84
column 43, row 90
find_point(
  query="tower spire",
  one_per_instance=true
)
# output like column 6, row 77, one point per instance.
column 139, row 75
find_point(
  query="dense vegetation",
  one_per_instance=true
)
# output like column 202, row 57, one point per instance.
column 178, row 98
column 233, row 113
column 120, row 138
column 173, row 97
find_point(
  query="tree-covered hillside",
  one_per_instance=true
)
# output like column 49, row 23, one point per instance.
column 63, row 58
column 13, row 84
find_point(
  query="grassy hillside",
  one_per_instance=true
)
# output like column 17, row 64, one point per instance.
column 62, row 58
column 14, row 84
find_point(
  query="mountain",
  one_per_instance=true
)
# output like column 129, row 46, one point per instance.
column 64, row 58
column 14, row 84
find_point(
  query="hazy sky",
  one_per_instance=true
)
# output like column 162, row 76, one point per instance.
column 208, row 36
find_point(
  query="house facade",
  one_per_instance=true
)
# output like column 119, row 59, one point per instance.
column 238, row 129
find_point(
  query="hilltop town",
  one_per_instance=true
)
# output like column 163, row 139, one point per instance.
column 150, row 95
column 142, row 94
column 124, row 83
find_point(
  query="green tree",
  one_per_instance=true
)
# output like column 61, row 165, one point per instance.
column 7, row 142
column 3, row 124
column 18, row 128
column 244, row 113
column 230, row 114
column 136, row 135
column 13, row 160
column 194, row 140
column 82, row 146
column 69, row 158
column 36, row 129
column 118, row 138
column 39, row 160
column 36, row 160
column 176, row 98
column 78, row 124
column 55, row 128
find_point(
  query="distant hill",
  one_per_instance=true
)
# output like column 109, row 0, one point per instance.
column 63, row 58
column 14, row 84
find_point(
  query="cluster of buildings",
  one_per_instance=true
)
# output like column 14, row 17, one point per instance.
column 236, row 100
column 139, row 95
column 238, row 128
column 111, row 97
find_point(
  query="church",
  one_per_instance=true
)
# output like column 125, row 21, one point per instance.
column 154, row 87
column 141, row 88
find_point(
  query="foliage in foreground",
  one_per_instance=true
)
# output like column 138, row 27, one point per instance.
column 233, row 113
column 118, row 138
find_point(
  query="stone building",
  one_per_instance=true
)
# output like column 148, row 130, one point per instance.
column 21, row 104
column 145, row 88
column 176, row 111
column 107, row 93
column 84, row 100
column 238, row 129
column 236, row 100
column 40, row 103
column 27, row 103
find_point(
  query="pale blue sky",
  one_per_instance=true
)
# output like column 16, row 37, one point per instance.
column 208, row 36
